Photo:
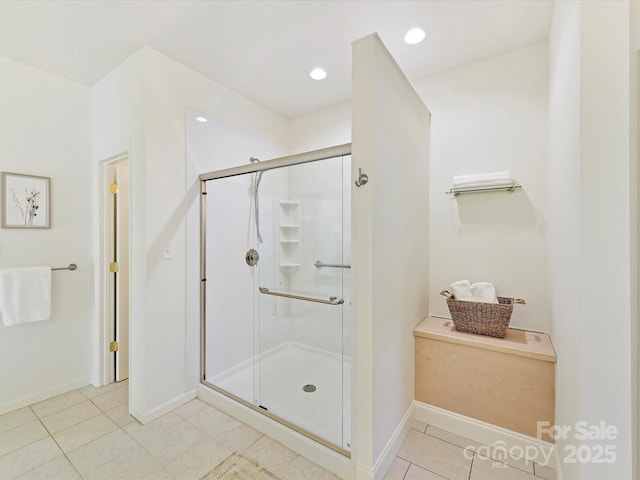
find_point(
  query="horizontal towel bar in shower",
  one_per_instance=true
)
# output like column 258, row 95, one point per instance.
column 72, row 266
column 331, row 301
column 319, row 264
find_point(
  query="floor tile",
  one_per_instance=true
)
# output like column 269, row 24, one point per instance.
column 489, row 469
column 16, row 418
column 419, row 426
column 190, row 408
column 417, row 473
column 120, row 415
column 27, row 458
column 436, row 455
column 52, row 405
column 166, row 442
column 397, row 470
column 212, row 421
column 21, row 436
column 238, row 437
column 159, row 473
column 202, row 457
column 90, row 391
column 272, row 455
column 544, row 472
column 111, row 400
column 60, row 402
column 303, row 469
column 136, row 462
column 499, row 454
column 70, row 416
column 94, row 454
column 84, row 432
column 58, row 469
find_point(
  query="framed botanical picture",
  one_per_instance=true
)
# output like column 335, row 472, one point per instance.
column 25, row 201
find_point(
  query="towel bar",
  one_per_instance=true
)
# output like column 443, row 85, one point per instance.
column 72, row 266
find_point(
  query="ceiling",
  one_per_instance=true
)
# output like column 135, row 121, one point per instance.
column 265, row 49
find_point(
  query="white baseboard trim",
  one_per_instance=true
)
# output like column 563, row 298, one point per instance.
column 390, row 450
column 146, row 417
column 314, row 451
column 36, row 397
column 363, row 473
column 530, row 448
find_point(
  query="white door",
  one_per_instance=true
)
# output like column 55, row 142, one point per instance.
column 119, row 267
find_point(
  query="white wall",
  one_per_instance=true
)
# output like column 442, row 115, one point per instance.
column 590, row 240
column 491, row 116
column 487, row 116
column 564, row 223
column 141, row 106
column 324, row 128
column 390, row 248
column 45, row 125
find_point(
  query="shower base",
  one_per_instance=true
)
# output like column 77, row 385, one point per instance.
column 280, row 377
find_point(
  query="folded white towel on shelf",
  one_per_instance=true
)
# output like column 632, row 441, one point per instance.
column 25, row 294
column 483, row 180
column 462, row 290
column 484, row 292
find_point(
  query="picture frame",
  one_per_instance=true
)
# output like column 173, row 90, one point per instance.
column 26, row 201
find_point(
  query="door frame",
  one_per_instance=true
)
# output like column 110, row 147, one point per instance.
column 106, row 360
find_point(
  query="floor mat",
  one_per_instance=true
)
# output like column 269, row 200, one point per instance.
column 239, row 467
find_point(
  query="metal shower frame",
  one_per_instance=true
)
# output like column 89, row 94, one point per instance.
column 281, row 162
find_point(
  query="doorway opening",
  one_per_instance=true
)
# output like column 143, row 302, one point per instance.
column 115, row 191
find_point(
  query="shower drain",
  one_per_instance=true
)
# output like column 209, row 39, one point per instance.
column 309, row 388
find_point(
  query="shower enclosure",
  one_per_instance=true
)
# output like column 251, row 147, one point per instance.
column 276, row 289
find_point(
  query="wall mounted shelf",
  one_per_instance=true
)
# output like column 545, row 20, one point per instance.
column 463, row 191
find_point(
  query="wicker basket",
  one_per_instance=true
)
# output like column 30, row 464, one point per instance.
column 482, row 318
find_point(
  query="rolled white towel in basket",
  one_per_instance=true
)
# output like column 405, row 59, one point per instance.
column 462, row 290
column 484, row 292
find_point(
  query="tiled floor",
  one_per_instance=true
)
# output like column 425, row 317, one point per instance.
column 429, row 453
column 88, row 433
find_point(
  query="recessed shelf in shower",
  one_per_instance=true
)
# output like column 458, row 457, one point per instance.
column 289, row 233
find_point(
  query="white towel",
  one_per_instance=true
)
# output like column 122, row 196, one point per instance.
column 462, row 290
column 484, row 292
column 25, row 294
column 483, row 180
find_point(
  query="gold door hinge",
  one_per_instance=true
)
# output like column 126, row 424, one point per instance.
column 114, row 267
column 114, row 188
column 113, row 347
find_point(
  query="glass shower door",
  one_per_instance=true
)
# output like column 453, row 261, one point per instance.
column 300, row 363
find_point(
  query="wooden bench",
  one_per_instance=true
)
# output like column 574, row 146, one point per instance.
column 509, row 382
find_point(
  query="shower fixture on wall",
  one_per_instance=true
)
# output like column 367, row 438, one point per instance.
column 256, row 201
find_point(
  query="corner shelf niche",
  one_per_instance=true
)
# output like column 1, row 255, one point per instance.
column 288, row 234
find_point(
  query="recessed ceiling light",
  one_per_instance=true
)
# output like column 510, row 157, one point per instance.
column 202, row 119
column 318, row 74
column 414, row 35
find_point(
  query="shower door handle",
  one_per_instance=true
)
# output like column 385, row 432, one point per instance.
column 331, row 301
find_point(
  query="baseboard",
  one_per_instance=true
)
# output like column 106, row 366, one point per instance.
column 314, row 451
column 390, row 450
column 530, row 448
column 42, row 395
column 146, row 417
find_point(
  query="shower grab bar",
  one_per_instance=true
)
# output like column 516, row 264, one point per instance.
column 331, row 301
column 319, row 264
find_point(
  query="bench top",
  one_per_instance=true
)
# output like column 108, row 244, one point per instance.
column 535, row 345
